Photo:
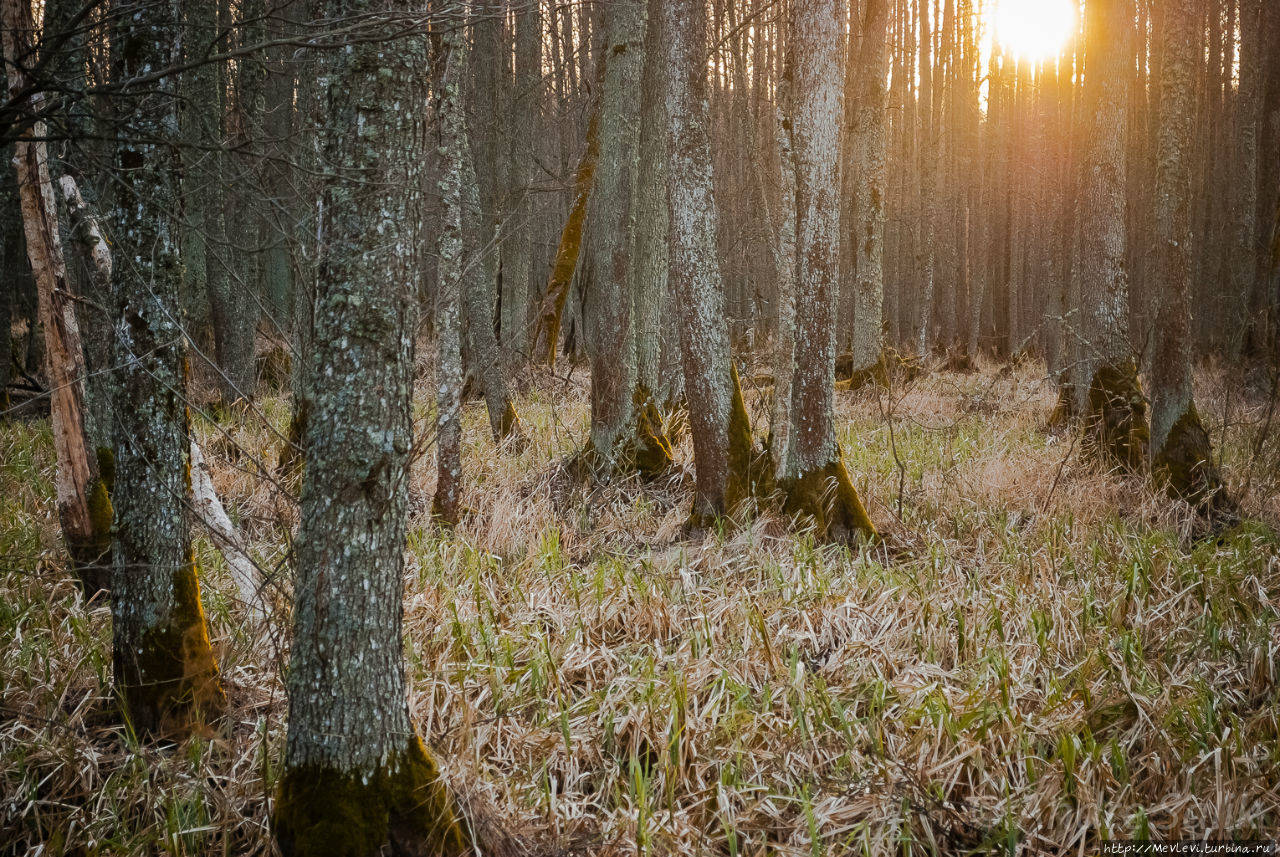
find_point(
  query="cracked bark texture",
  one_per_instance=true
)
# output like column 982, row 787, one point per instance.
column 165, row 672
column 357, row 779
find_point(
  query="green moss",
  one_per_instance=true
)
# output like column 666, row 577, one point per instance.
column 747, row 467
column 402, row 809
column 172, row 682
column 651, row 450
column 1185, row 466
column 91, row 557
column 509, row 425
column 106, row 467
column 1116, row 425
column 827, row 498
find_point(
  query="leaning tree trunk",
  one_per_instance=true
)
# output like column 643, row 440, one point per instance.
column 551, row 309
column 357, row 779
column 165, row 672
column 1113, row 403
column 84, row 509
column 1181, row 452
column 717, row 415
column 816, row 483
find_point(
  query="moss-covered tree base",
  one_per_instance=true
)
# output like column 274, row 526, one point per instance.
column 826, row 497
column 169, row 682
column 1064, row 410
column 401, row 810
column 509, row 427
column 891, row 366
column 1184, row 465
column 749, row 473
column 1116, row 429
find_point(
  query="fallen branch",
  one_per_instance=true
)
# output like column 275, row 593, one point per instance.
column 210, row 512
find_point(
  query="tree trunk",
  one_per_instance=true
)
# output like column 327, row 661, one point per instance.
column 817, row 485
column 869, row 177
column 518, row 260
column 1113, row 404
column 551, row 310
column 1182, row 455
column 357, row 779
column 165, row 671
column 623, row 434
column 84, row 508
column 717, row 414
column 446, row 506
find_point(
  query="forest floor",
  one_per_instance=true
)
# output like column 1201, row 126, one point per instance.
column 1042, row 655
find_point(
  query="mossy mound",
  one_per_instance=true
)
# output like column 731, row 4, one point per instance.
column 402, row 809
column 1185, row 466
column 1116, row 427
column 826, row 497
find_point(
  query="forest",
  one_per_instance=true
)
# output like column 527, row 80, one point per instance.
column 639, row 427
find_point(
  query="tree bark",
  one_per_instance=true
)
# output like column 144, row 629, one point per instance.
column 869, row 178
column 1182, row 455
column 357, row 779
column 717, row 415
column 817, row 484
column 446, row 506
column 1112, row 402
column 165, row 671
column 84, row 508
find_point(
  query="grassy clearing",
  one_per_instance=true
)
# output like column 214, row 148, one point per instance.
column 1041, row 656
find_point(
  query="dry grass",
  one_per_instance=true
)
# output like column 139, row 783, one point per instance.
column 1042, row 656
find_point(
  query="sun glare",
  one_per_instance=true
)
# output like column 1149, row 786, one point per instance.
column 1034, row 29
